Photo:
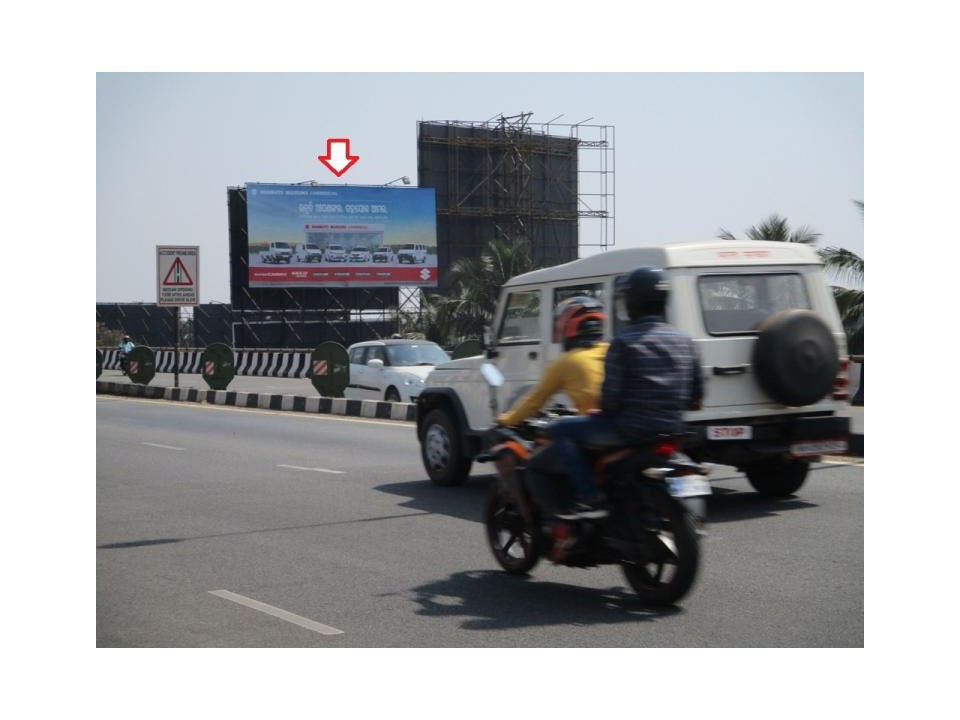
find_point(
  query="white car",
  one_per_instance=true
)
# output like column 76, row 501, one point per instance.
column 391, row 370
column 335, row 253
column 360, row 254
column 384, row 254
column 307, row 252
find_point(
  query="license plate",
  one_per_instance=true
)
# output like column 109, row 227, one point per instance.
column 729, row 432
column 688, row 486
column 818, row 447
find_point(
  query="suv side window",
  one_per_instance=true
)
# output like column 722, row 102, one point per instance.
column 593, row 290
column 356, row 355
column 377, row 352
column 521, row 319
column 736, row 304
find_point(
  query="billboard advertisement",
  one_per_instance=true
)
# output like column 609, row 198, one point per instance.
column 341, row 236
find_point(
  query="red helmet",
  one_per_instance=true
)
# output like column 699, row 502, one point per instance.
column 578, row 321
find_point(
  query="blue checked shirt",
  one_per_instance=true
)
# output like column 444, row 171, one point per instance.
column 652, row 374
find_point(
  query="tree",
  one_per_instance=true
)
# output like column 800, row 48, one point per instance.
column 778, row 229
column 846, row 269
column 474, row 289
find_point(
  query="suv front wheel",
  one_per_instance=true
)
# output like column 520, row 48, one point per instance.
column 777, row 477
column 441, row 452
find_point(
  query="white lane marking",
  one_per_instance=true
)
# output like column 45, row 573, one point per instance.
column 277, row 612
column 323, row 470
column 165, row 447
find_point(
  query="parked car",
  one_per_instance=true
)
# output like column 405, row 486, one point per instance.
column 412, row 253
column 360, row 254
column 335, row 253
column 384, row 254
column 391, row 370
column 764, row 322
column 307, row 252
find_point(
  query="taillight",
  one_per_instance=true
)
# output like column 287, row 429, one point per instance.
column 665, row 449
column 841, row 383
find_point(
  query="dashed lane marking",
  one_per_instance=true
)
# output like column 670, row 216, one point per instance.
column 277, row 612
column 165, row 447
column 320, row 470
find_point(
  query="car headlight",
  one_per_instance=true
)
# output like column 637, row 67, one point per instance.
column 412, row 380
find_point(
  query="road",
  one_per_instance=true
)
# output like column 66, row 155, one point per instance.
column 226, row 527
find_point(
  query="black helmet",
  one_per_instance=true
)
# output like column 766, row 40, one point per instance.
column 578, row 322
column 643, row 292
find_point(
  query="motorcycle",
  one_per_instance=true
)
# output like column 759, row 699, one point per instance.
column 657, row 499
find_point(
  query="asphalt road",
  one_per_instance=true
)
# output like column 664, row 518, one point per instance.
column 226, row 527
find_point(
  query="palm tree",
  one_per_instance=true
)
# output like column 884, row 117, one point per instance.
column 776, row 228
column 474, row 289
column 846, row 268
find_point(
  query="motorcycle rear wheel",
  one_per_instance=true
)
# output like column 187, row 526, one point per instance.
column 668, row 574
column 513, row 542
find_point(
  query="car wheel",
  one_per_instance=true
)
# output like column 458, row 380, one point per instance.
column 777, row 477
column 440, row 450
column 795, row 358
column 392, row 395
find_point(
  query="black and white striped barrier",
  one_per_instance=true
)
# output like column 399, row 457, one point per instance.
column 261, row 363
column 264, row 401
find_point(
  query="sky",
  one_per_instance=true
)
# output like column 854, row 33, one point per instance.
column 694, row 152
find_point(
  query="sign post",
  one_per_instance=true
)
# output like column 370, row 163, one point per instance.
column 178, row 284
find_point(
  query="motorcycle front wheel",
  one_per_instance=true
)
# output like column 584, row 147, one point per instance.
column 513, row 542
column 669, row 567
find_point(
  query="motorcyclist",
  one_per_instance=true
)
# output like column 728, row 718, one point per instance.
column 652, row 374
column 126, row 345
column 578, row 371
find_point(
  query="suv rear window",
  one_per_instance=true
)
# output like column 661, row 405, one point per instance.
column 737, row 304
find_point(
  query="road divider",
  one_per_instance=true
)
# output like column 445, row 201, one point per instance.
column 295, row 403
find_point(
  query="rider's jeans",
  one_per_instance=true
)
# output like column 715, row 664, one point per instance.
column 569, row 433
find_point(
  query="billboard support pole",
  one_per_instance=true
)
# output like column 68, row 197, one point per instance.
column 176, row 351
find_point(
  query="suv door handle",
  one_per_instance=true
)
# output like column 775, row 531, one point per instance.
column 731, row 370
column 532, row 355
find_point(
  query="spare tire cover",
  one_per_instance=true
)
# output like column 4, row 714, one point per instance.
column 795, row 357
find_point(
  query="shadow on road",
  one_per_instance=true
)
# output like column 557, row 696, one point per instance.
column 495, row 600
column 729, row 505
column 462, row 501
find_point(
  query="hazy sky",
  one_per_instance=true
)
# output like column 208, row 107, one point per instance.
column 694, row 151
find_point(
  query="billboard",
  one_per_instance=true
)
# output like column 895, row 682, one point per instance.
column 340, row 236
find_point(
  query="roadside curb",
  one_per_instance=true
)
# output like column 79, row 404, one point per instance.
column 294, row 403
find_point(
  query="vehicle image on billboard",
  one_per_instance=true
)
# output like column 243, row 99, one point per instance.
column 335, row 253
column 307, row 253
column 277, row 252
column 360, row 254
column 391, row 370
column 384, row 254
column 764, row 322
column 412, row 253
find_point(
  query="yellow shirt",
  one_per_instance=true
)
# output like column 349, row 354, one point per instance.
column 577, row 372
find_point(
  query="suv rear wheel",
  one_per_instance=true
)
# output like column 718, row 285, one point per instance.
column 441, row 452
column 776, row 477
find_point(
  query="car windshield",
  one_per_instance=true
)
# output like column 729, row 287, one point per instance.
column 359, row 249
column 335, row 247
column 282, row 245
column 416, row 354
column 407, row 247
column 311, row 247
column 383, row 249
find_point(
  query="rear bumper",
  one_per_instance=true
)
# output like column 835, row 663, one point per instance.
column 794, row 436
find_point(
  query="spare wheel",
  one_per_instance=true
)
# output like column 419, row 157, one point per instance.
column 795, row 357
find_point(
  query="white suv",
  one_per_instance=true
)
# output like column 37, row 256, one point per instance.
column 765, row 324
column 412, row 253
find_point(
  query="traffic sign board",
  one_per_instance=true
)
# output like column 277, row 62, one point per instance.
column 178, row 275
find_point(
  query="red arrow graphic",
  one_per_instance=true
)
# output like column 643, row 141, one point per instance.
column 338, row 157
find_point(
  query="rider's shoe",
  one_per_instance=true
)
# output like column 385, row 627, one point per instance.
column 592, row 510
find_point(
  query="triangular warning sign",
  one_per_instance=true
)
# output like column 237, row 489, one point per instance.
column 178, row 274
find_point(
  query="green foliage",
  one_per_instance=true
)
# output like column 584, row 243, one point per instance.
column 108, row 338
column 474, row 289
column 776, row 228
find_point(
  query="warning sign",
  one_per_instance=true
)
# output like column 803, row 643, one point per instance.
column 178, row 275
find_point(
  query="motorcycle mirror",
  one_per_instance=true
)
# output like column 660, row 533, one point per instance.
column 491, row 373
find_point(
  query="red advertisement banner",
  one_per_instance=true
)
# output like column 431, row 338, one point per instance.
column 347, row 275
